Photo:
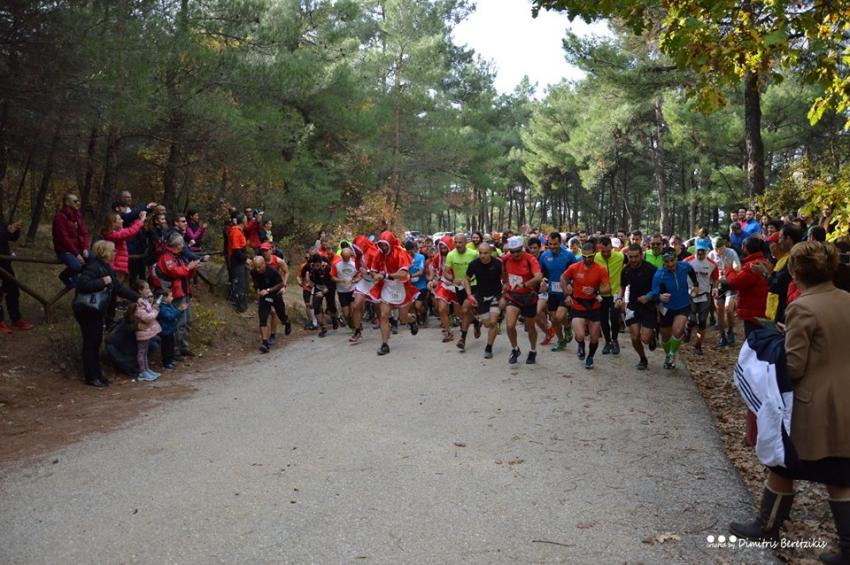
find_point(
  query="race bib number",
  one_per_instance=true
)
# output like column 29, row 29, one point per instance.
column 515, row 280
column 344, row 285
column 629, row 314
column 393, row 292
column 555, row 287
column 415, row 279
column 269, row 299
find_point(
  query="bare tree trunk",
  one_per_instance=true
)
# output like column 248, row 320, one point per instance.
column 38, row 205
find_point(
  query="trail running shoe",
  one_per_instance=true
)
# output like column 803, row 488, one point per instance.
column 355, row 337
column 461, row 344
column 488, row 353
column 323, row 332
column 580, row 353
column 384, row 349
column 414, row 328
column 568, row 334
column 514, row 357
column 477, row 330
column 560, row 346
column 532, row 358
column 668, row 361
column 264, row 348
column 588, row 363
column 653, row 342
column 643, row 365
column 550, row 335
column 615, row 347
column 723, row 342
column 272, row 339
column 607, row 349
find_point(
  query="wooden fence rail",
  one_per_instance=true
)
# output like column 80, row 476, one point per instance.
column 46, row 302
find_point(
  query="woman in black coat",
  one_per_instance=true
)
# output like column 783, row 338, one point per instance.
column 95, row 276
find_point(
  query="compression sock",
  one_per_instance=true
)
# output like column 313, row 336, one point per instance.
column 593, row 348
column 674, row 344
column 666, row 345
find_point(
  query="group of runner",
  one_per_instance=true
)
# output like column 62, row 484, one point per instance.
column 584, row 289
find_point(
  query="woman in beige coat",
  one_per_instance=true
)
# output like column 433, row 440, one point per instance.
column 818, row 361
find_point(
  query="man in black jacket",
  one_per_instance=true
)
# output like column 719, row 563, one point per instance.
column 8, row 288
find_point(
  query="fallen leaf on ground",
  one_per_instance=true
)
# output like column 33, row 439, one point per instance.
column 662, row 538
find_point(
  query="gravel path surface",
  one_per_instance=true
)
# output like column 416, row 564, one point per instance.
column 322, row 452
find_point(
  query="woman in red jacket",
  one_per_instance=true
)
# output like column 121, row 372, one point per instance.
column 112, row 231
column 751, row 286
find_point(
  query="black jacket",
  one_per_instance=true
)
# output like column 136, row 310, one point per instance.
column 91, row 280
column 5, row 238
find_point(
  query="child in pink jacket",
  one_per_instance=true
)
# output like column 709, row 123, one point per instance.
column 144, row 316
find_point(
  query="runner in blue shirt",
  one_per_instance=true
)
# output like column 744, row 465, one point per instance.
column 417, row 277
column 553, row 262
column 670, row 288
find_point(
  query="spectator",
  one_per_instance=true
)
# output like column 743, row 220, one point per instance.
column 253, row 222
column 237, row 255
column 113, row 231
column 266, row 235
column 779, row 278
column 97, row 276
column 749, row 284
column 167, row 318
column 750, row 226
column 155, row 237
column 736, row 237
column 70, row 239
column 174, row 274
column 9, row 289
column 816, row 233
column 135, row 245
column 144, row 315
column 180, row 226
column 195, row 230
column 817, row 357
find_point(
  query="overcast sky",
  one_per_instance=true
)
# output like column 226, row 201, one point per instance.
column 504, row 32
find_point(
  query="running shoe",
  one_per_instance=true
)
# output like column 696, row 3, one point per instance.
column 264, row 348
column 560, row 346
column 580, row 353
column 414, row 328
column 323, row 332
column 607, row 349
column 730, row 336
column 355, row 337
column 272, row 339
column 532, row 358
column 514, row 356
column 643, row 365
column 550, row 335
column 384, row 349
column 653, row 342
column 698, row 350
column 461, row 344
column 488, row 353
column 723, row 342
column 615, row 347
column 447, row 337
column 568, row 334
column 477, row 329
column 588, row 363
column 668, row 361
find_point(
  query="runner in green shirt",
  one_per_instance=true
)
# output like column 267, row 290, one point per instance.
column 613, row 262
column 656, row 250
column 457, row 262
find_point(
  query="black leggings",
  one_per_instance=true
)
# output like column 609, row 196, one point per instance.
column 91, row 328
column 265, row 308
column 610, row 319
column 10, row 291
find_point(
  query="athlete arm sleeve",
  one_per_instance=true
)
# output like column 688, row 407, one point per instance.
column 692, row 275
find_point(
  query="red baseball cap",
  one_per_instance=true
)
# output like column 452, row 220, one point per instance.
column 266, row 245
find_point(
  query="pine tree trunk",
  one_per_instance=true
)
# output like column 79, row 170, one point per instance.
column 660, row 176
column 88, row 179
column 38, row 205
column 169, row 177
column 109, row 185
column 752, row 126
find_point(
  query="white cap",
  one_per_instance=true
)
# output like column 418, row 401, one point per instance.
column 616, row 243
column 515, row 242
